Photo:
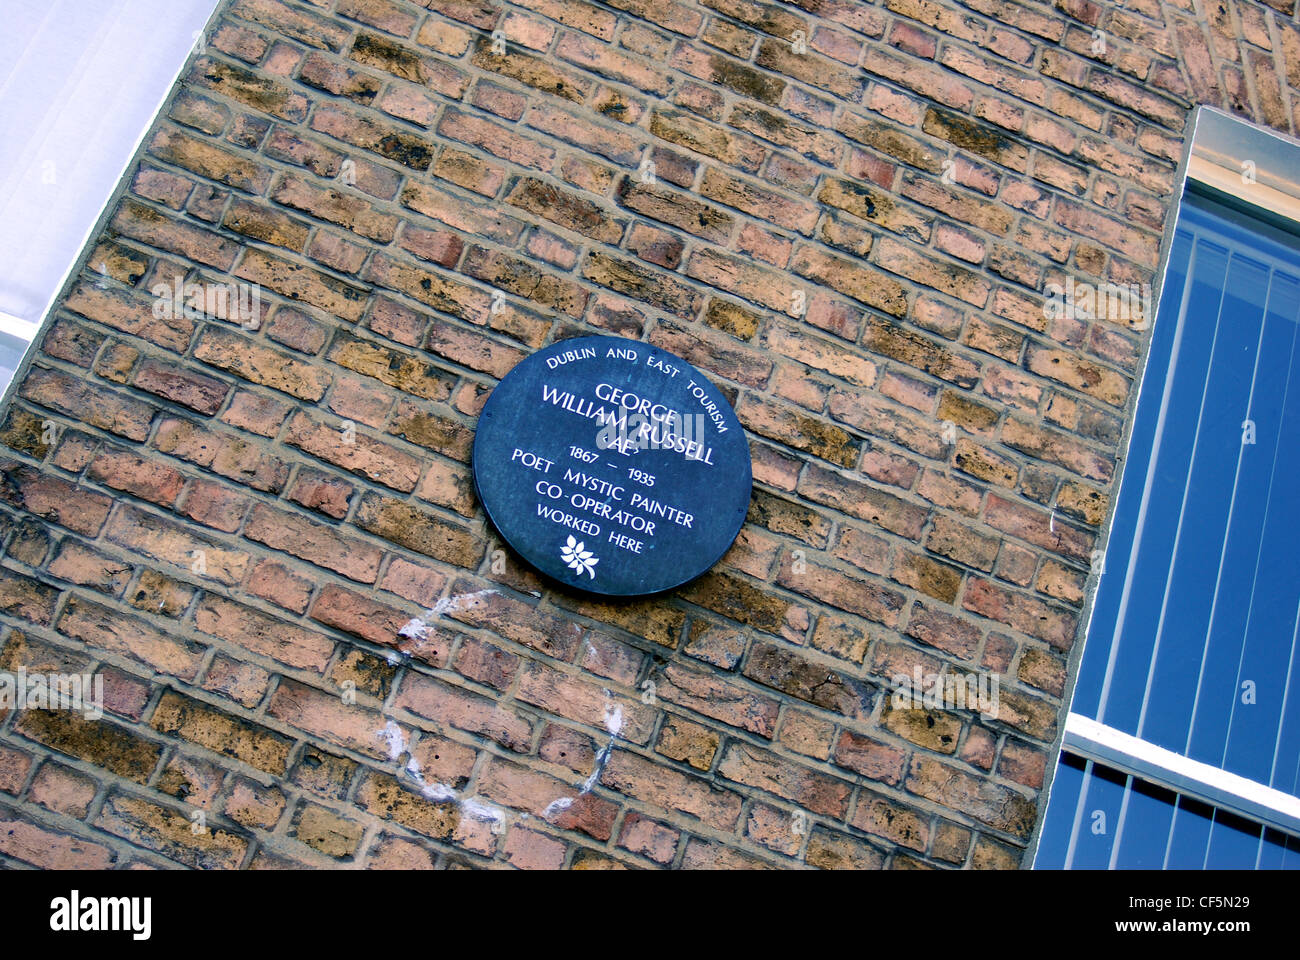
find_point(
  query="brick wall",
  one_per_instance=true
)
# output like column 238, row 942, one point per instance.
column 233, row 523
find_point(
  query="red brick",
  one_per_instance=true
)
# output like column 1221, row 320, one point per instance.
column 80, row 510
column 147, row 479
column 14, row 766
column 1020, row 611
column 357, row 614
column 51, row 849
column 464, row 710
column 248, row 628
column 96, row 406
column 667, row 789
column 314, row 542
column 650, row 838
column 167, row 831
column 243, row 683
column 568, row 696
column 88, row 567
column 214, row 505
column 168, row 541
column 261, row 365
column 130, row 637
column 763, row 770
column 714, row 697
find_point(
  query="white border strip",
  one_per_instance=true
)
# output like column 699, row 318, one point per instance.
column 1114, row 748
column 18, row 327
column 1231, row 182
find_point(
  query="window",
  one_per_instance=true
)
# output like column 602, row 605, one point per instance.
column 1182, row 747
column 73, row 108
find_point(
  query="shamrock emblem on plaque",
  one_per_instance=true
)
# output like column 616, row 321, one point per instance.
column 577, row 557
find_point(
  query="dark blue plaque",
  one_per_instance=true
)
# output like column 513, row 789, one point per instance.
column 612, row 466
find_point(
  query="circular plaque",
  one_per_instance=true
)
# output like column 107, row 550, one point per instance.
column 612, row 466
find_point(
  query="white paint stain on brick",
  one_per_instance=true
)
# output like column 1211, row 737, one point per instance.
column 614, row 724
column 418, row 628
column 479, row 810
column 613, row 719
column 555, row 806
column 395, row 739
column 398, row 746
column 438, row 792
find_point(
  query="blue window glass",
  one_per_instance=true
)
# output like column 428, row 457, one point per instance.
column 1192, row 644
column 1102, row 818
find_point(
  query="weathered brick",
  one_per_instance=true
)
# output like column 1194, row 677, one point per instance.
column 582, row 131
column 51, row 849
column 514, row 620
column 667, row 789
column 200, row 393
column 353, row 451
column 98, row 742
column 814, row 70
column 297, row 282
column 686, row 131
column 892, row 821
column 347, row 210
column 714, row 697
column 63, row 790
column 741, row 600
column 226, row 454
column 384, row 139
column 214, row 163
column 417, row 530
column 94, row 405
column 1020, row 611
column 829, row 850
column 650, row 838
column 171, row 542
column 144, row 223
column 147, row 479
column 678, row 209
column 496, row 140
column 863, row 501
column 990, row 803
column 372, row 50
column 168, row 831
column 1058, row 448
column 464, row 710
column 262, row 634
column 220, row 732
column 568, row 696
column 862, row 284
column 130, row 637
column 53, row 499
column 521, row 278
column 650, row 286
column 759, row 201
column 792, row 428
column 764, row 770
column 326, row 715
column 790, row 672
